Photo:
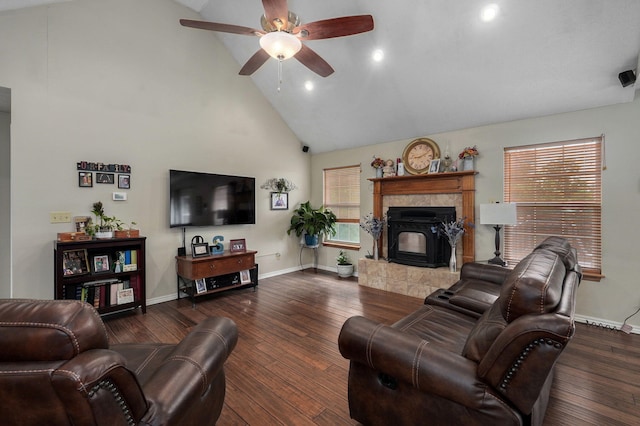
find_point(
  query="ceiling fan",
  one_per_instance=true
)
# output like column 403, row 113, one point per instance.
column 282, row 35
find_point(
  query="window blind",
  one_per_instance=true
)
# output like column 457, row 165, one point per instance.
column 342, row 196
column 558, row 191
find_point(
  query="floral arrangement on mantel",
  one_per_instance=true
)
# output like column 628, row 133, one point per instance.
column 470, row 151
column 279, row 185
column 377, row 162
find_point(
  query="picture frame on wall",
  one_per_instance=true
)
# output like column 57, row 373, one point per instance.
column 107, row 178
column 85, row 179
column 238, row 245
column 124, row 181
column 279, row 201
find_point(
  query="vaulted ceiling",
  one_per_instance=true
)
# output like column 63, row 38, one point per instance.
column 443, row 67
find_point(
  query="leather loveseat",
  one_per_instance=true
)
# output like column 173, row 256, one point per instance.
column 56, row 368
column 480, row 353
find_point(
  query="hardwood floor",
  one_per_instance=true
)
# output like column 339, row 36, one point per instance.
column 286, row 368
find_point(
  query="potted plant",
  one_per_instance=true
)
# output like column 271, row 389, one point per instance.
column 124, row 230
column 312, row 223
column 345, row 267
column 104, row 226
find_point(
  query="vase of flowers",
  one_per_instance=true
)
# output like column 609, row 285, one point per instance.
column 377, row 164
column 468, row 156
column 454, row 232
column 374, row 227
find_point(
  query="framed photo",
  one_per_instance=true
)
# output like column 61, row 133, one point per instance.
column 199, row 249
column 201, row 285
column 105, row 178
column 75, row 262
column 434, row 166
column 245, row 277
column 85, row 179
column 81, row 223
column 101, row 263
column 124, row 181
column 237, row 245
column 279, row 201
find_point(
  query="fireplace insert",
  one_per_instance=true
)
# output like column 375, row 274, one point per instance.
column 412, row 237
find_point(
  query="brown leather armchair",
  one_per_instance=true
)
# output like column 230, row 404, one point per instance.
column 445, row 365
column 56, row 368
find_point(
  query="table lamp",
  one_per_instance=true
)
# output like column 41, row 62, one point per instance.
column 498, row 214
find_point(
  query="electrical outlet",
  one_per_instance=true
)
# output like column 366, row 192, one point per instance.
column 60, row 217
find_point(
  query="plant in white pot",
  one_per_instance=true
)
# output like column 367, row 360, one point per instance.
column 345, row 267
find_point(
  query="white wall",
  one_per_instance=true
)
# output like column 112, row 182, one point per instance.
column 5, row 198
column 616, row 296
column 108, row 81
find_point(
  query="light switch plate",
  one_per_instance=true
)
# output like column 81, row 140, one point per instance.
column 60, row 217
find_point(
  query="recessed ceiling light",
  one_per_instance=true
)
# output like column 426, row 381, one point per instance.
column 309, row 85
column 378, row 55
column 489, row 12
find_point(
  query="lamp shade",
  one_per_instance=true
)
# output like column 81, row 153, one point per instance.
column 280, row 45
column 498, row 214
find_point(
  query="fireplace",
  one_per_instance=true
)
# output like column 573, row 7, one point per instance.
column 412, row 238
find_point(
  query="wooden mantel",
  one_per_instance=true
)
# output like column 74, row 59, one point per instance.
column 435, row 183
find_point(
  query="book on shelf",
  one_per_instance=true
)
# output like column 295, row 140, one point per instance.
column 125, row 295
column 125, row 261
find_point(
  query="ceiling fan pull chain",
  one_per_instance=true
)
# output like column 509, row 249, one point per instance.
column 279, row 74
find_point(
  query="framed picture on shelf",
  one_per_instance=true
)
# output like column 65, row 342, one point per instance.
column 201, row 285
column 101, row 263
column 434, row 166
column 245, row 277
column 75, row 262
column 279, row 201
column 238, row 245
column 85, row 179
column 81, row 223
column 124, row 181
column 199, row 249
column 105, row 178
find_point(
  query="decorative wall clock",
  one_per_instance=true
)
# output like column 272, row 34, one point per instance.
column 418, row 154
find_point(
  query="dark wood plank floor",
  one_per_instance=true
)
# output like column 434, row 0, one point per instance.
column 286, row 368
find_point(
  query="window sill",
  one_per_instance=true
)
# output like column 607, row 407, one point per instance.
column 342, row 245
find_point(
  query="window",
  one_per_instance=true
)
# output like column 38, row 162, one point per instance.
column 557, row 189
column 342, row 196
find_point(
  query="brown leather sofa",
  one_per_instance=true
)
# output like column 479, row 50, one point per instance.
column 57, row 368
column 481, row 353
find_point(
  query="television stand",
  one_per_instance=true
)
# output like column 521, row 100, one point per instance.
column 199, row 276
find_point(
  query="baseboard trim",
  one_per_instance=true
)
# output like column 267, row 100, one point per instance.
column 606, row 324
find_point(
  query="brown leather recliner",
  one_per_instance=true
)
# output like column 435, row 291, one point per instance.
column 56, row 368
column 442, row 365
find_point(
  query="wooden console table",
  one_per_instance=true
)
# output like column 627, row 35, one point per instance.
column 221, row 272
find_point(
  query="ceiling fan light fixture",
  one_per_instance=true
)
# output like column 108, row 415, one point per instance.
column 280, row 45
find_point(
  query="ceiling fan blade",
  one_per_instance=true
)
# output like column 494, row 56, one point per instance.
column 276, row 9
column 255, row 62
column 335, row 27
column 224, row 28
column 313, row 61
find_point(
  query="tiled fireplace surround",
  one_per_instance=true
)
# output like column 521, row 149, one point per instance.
column 443, row 189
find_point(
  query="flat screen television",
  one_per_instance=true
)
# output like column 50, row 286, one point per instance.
column 205, row 199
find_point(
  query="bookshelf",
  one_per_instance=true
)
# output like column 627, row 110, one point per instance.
column 109, row 274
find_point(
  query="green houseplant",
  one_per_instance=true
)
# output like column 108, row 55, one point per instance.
column 312, row 223
column 345, row 267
